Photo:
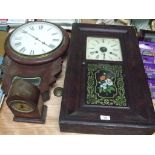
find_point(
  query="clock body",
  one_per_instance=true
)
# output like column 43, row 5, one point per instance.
column 34, row 52
column 26, row 103
column 109, row 93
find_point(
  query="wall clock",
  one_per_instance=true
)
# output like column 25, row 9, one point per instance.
column 34, row 53
column 109, row 93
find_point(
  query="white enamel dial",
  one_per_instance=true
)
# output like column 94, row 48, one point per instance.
column 36, row 38
column 103, row 49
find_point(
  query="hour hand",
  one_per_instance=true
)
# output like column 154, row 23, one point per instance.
column 103, row 55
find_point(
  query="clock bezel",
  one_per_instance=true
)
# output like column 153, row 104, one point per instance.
column 38, row 59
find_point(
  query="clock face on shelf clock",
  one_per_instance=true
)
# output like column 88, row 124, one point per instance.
column 37, row 38
column 98, row 48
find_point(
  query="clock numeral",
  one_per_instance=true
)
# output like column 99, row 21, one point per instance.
column 24, row 31
column 54, row 34
column 18, row 38
column 110, row 58
column 52, row 46
column 91, row 53
column 115, row 49
column 55, row 39
column 40, row 27
column 49, row 29
column 97, row 41
column 43, row 50
column 113, row 54
column 93, row 44
column 32, row 52
column 32, row 28
column 22, row 49
column 18, row 44
column 97, row 57
column 113, row 45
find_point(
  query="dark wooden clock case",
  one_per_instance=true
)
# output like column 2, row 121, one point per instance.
column 137, row 117
column 23, row 91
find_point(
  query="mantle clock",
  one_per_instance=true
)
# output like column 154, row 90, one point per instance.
column 109, row 93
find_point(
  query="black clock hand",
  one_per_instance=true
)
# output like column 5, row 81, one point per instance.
column 37, row 39
column 103, row 55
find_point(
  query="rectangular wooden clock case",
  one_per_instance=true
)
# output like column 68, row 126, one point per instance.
column 105, row 93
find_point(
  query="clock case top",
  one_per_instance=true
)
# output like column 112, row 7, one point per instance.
column 137, row 117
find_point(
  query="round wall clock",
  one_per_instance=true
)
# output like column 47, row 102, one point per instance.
column 36, row 43
column 34, row 53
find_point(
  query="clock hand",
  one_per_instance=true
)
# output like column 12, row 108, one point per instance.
column 37, row 39
column 103, row 55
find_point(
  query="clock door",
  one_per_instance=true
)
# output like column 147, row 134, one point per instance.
column 109, row 92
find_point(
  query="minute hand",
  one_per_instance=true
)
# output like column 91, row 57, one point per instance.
column 37, row 39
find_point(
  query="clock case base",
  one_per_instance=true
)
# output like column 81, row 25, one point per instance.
column 40, row 120
column 105, row 128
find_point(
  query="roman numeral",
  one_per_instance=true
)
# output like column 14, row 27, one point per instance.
column 18, row 38
column 32, row 52
column 22, row 49
column 54, row 34
column 97, row 57
column 18, row 44
column 91, row 53
column 55, row 39
column 24, row 31
column 113, row 45
column 32, row 28
column 40, row 27
column 115, row 49
column 43, row 51
column 52, row 46
column 97, row 41
column 113, row 54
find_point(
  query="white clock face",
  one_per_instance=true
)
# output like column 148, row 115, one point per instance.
column 36, row 38
column 103, row 49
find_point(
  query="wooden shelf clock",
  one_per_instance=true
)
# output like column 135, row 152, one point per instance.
column 34, row 53
column 105, row 89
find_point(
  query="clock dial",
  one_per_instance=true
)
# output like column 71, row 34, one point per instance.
column 103, row 49
column 21, row 106
column 36, row 38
